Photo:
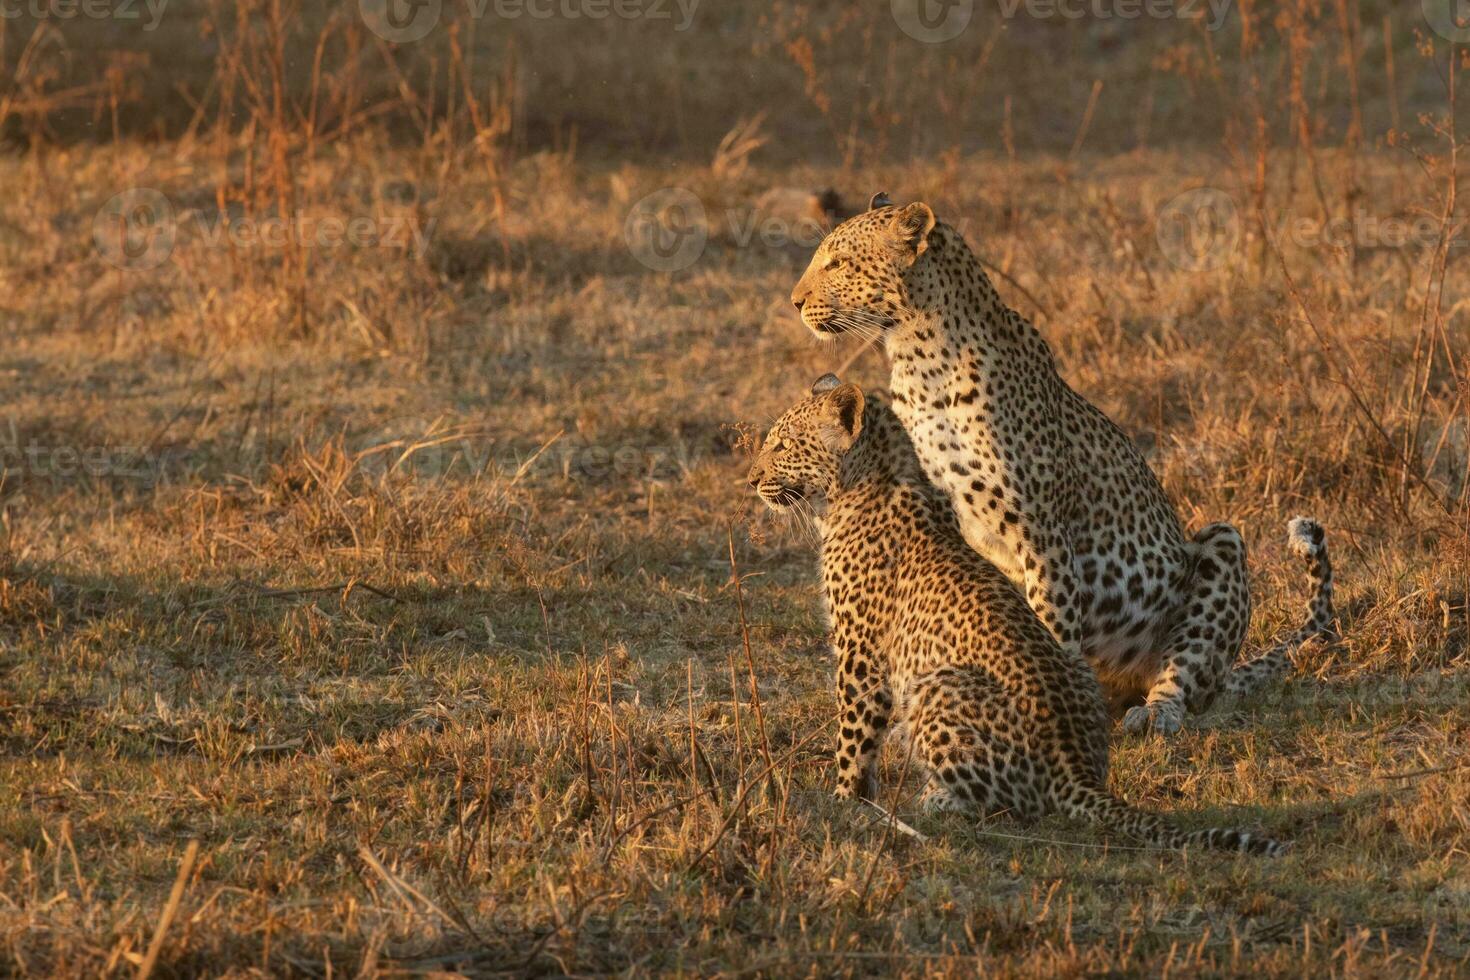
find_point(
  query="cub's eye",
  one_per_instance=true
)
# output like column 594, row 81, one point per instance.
column 837, row 261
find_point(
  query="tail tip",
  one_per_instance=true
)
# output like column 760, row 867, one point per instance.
column 1305, row 535
column 1264, row 846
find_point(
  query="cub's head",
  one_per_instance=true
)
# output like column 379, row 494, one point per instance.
column 800, row 458
column 855, row 282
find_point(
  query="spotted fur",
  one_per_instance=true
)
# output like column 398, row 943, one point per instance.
column 932, row 639
column 1044, row 484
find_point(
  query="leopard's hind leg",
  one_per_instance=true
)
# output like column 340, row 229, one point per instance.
column 966, row 732
column 1214, row 613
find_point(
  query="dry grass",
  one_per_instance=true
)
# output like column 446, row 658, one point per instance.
column 402, row 579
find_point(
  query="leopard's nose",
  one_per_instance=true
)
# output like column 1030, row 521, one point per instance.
column 798, row 295
column 754, row 482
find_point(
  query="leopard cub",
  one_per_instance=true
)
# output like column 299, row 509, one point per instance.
column 932, row 637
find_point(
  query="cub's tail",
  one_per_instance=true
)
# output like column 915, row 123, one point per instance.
column 1306, row 539
column 1097, row 806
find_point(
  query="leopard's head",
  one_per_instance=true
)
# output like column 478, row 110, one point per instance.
column 855, row 282
column 801, row 457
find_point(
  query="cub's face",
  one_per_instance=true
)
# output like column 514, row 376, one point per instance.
column 854, row 283
column 801, row 455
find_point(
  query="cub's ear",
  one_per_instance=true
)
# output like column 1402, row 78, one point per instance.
column 879, row 200
column 825, row 384
column 911, row 228
column 844, row 417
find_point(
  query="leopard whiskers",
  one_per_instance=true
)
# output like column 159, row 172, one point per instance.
column 802, row 515
column 866, row 316
column 853, row 323
column 864, row 324
column 864, row 333
column 861, row 317
column 807, row 518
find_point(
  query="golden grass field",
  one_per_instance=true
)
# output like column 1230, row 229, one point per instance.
column 389, row 600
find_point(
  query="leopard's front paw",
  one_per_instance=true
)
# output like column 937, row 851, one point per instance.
column 1162, row 717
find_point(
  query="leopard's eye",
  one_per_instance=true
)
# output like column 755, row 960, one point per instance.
column 837, row 261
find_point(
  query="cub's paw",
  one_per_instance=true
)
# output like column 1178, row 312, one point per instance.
column 1163, row 718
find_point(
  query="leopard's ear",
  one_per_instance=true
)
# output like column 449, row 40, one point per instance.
column 825, row 384
column 879, row 200
column 911, row 228
column 844, row 417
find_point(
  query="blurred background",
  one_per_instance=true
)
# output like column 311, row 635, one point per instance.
column 653, row 80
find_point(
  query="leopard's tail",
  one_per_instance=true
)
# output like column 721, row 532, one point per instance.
column 1307, row 540
column 1087, row 801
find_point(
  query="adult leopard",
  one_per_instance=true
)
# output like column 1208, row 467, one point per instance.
column 1045, row 485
